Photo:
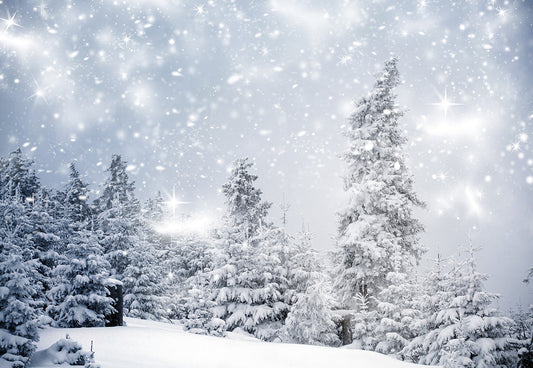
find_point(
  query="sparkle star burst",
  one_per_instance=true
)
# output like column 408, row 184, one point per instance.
column 199, row 10
column 344, row 60
column 173, row 203
column 10, row 22
column 43, row 10
column 40, row 93
column 445, row 104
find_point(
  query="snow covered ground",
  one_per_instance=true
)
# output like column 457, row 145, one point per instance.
column 143, row 344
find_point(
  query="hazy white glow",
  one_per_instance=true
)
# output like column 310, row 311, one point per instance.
column 196, row 224
column 472, row 199
column 464, row 195
column 467, row 127
column 18, row 43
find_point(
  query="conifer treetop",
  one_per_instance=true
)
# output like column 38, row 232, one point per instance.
column 245, row 207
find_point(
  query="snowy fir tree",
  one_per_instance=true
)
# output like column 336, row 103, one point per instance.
column 245, row 210
column 378, row 221
column 17, row 174
column 147, row 292
column 76, row 207
column 117, row 216
column 44, row 236
column 143, row 280
column 523, row 323
column 245, row 289
column 310, row 319
column 397, row 314
column 302, row 265
column 464, row 330
column 364, row 322
column 81, row 293
column 183, row 259
column 199, row 308
column 525, row 353
column 436, row 291
column 525, row 356
column 20, row 286
column 521, row 334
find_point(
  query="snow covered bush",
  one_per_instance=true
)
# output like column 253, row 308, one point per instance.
column 70, row 352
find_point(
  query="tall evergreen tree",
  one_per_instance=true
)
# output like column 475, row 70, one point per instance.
column 80, row 295
column 20, row 284
column 20, row 187
column 377, row 225
column 86, row 301
column 45, row 239
column 118, row 216
column 143, row 281
column 147, row 290
column 246, row 281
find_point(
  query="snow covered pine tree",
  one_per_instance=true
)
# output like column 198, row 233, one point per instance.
column 377, row 233
column 310, row 319
column 19, row 288
column 80, row 295
column 117, row 212
column 463, row 329
column 21, row 285
column 246, row 291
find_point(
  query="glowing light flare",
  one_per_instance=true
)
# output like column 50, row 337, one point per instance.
column 173, row 202
column 445, row 104
column 199, row 10
column 40, row 93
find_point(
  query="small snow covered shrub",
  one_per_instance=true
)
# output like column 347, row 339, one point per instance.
column 69, row 351
column 66, row 351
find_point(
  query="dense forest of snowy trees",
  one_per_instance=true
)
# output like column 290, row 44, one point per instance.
column 60, row 251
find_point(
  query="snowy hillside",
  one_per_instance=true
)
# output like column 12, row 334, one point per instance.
column 154, row 344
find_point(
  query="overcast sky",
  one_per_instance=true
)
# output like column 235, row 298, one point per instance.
column 182, row 88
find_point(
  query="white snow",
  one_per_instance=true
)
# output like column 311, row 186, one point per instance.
column 143, row 344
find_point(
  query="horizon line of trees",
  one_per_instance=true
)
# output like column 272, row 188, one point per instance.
column 60, row 252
